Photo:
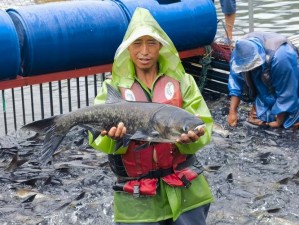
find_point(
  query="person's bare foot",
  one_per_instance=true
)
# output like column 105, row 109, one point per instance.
column 256, row 121
column 295, row 126
column 252, row 118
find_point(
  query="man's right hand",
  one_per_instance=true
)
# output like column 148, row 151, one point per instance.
column 232, row 119
column 115, row 132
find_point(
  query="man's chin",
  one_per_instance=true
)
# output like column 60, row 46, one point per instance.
column 144, row 68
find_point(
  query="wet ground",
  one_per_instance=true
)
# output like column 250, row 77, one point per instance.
column 253, row 173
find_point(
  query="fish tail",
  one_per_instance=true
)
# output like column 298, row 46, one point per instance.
column 41, row 126
column 51, row 143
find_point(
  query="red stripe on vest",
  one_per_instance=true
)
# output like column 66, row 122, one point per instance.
column 167, row 90
column 135, row 93
column 175, row 179
column 145, row 186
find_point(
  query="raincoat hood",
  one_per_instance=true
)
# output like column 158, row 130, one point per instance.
column 141, row 24
column 247, row 55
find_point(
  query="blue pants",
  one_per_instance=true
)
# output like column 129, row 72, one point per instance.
column 196, row 216
column 228, row 6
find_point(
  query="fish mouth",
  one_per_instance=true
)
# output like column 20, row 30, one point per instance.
column 197, row 129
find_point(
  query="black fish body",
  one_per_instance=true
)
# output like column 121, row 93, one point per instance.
column 145, row 121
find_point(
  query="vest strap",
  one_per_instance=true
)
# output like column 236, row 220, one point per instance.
column 157, row 173
column 165, row 172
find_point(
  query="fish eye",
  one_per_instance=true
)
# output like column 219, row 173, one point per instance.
column 186, row 129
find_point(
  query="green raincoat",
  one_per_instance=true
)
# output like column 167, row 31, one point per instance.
column 169, row 202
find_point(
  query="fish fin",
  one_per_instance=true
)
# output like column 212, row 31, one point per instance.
column 112, row 95
column 126, row 140
column 95, row 132
column 15, row 163
column 143, row 146
column 41, row 126
column 123, row 142
column 63, row 206
column 51, row 143
column 119, row 143
column 29, row 199
column 140, row 135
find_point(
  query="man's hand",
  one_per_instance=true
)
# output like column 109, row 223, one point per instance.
column 232, row 119
column 115, row 132
column 192, row 135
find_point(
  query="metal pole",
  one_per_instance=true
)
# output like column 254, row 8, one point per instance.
column 4, row 111
column 251, row 19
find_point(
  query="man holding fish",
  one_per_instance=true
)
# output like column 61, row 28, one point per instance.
column 158, row 183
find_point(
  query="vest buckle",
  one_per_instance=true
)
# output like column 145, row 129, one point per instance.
column 185, row 181
column 136, row 191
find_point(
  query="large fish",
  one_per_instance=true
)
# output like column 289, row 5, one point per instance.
column 145, row 121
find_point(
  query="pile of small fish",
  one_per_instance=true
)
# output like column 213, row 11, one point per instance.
column 253, row 173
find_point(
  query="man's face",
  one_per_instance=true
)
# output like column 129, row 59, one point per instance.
column 144, row 52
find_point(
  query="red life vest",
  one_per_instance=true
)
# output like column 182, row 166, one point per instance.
column 159, row 160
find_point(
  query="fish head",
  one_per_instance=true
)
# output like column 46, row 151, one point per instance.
column 171, row 122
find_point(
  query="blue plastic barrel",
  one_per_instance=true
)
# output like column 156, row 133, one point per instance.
column 9, row 48
column 64, row 36
column 189, row 23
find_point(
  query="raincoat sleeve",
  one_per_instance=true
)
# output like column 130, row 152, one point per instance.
column 104, row 143
column 235, row 84
column 284, row 77
column 194, row 103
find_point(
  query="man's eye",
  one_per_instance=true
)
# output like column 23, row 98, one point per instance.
column 152, row 42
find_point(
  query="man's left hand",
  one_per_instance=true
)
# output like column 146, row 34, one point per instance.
column 191, row 136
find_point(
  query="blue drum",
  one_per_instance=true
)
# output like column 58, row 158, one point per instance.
column 68, row 35
column 9, row 48
column 189, row 23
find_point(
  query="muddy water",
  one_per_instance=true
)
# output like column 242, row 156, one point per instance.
column 253, row 174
